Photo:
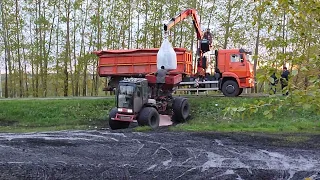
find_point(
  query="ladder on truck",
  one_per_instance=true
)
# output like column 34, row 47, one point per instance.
column 195, row 86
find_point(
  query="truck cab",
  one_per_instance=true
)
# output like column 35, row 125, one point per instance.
column 235, row 70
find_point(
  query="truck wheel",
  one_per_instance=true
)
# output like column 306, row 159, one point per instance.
column 230, row 88
column 181, row 109
column 149, row 116
column 116, row 124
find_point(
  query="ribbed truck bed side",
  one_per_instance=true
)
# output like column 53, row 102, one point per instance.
column 138, row 61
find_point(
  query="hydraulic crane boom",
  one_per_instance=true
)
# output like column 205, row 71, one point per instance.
column 183, row 15
column 204, row 40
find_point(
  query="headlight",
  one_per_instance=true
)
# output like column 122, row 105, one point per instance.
column 125, row 110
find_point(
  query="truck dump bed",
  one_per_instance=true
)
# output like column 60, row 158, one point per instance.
column 138, row 61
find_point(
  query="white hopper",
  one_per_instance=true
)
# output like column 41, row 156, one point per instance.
column 166, row 56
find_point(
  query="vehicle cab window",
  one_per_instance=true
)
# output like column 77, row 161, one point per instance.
column 235, row 58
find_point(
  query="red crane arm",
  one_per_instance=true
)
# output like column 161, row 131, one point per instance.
column 181, row 17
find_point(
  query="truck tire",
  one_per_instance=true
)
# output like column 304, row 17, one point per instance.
column 116, row 124
column 181, row 109
column 149, row 116
column 230, row 88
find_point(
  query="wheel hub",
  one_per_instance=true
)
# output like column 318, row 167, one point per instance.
column 230, row 89
column 153, row 121
column 185, row 111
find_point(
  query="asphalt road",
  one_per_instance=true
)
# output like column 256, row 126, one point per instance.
column 155, row 155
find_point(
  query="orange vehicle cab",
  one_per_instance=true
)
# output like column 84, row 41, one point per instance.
column 233, row 66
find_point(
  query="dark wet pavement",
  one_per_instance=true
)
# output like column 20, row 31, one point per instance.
column 155, row 155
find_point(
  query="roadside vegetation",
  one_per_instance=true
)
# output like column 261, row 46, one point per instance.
column 48, row 115
column 207, row 114
column 263, row 114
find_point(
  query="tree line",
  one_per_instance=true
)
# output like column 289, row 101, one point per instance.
column 46, row 45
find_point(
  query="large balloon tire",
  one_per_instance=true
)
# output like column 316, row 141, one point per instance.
column 149, row 116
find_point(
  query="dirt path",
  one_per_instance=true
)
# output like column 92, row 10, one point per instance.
column 157, row 155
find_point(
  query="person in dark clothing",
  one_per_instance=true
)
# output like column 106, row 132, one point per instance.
column 284, row 79
column 161, row 78
column 273, row 84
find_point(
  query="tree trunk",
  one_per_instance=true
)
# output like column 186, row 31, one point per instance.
column 41, row 51
column 283, row 35
column 73, row 75
column 46, row 58
column 18, row 51
column 146, row 25
column 32, row 63
column 6, row 55
column 256, row 51
column 25, row 72
column 138, row 28
column 82, row 51
column 85, row 64
column 67, row 56
column 57, row 56
column 226, row 36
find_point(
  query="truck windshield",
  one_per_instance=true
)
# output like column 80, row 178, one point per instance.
column 125, row 97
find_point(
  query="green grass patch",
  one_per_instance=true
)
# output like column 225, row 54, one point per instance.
column 142, row 128
column 42, row 115
column 206, row 115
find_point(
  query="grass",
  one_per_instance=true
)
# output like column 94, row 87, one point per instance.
column 206, row 115
column 42, row 115
column 142, row 129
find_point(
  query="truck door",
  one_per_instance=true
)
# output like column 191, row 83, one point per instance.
column 236, row 66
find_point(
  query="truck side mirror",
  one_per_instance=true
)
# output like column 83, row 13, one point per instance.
column 241, row 58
